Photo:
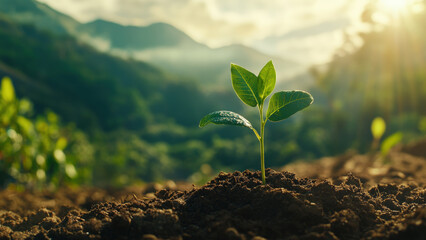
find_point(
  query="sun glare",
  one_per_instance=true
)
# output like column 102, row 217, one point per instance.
column 393, row 5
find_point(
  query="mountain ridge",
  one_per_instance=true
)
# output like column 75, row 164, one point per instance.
column 180, row 54
column 129, row 37
column 161, row 44
column 39, row 14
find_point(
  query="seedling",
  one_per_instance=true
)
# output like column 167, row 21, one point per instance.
column 378, row 128
column 389, row 142
column 253, row 91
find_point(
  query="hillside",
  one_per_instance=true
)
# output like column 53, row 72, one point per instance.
column 161, row 44
column 38, row 14
column 174, row 51
column 85, row 86
column 137, row 38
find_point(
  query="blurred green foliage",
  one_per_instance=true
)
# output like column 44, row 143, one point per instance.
column 385, row 76
column 38, row 152
column 390, row 142
column 378, row 127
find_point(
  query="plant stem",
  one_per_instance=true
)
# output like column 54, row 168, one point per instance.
column 262, row 144
column 257, row 134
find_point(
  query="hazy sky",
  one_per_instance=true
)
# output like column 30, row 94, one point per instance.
column 299, row 29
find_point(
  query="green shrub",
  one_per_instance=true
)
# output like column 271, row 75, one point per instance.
column 38, row 152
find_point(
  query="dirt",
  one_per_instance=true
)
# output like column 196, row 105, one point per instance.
column 380, row 199
column 403, row 165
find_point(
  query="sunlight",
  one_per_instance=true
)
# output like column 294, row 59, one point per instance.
column 393, row 5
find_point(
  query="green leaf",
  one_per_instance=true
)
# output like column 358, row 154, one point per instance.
column 70, row 170
column 378, row 127
column 286, row 103
column 245, row 85
column 61, row 143
column 26, row 125
column 267, row 78
column 7, row 90
column 226, row 118
column 390, row 142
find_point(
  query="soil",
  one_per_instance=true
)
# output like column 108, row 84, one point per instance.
column 382, row 198
column 403, row 165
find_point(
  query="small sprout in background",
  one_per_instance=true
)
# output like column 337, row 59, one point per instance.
column 389, row 142
column 7, row 90
column 422, row 125
column 378, row 128
column 253, row 91
column 70, row 170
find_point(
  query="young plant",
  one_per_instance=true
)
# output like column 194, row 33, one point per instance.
column 253, row 91
column 378, row 128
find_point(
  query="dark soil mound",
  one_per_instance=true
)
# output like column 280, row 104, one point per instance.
column 237, row 206
column 403, row 165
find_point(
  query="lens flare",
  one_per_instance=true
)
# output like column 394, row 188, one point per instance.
column 393, row 5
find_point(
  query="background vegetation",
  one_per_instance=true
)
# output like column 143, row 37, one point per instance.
column 84, row 117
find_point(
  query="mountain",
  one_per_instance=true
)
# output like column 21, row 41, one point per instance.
column 39, row 14
column 211, row 67
column 175, row 52
column 160, row 44
column 137, row 38
column 93, row 89
column 76, row 81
